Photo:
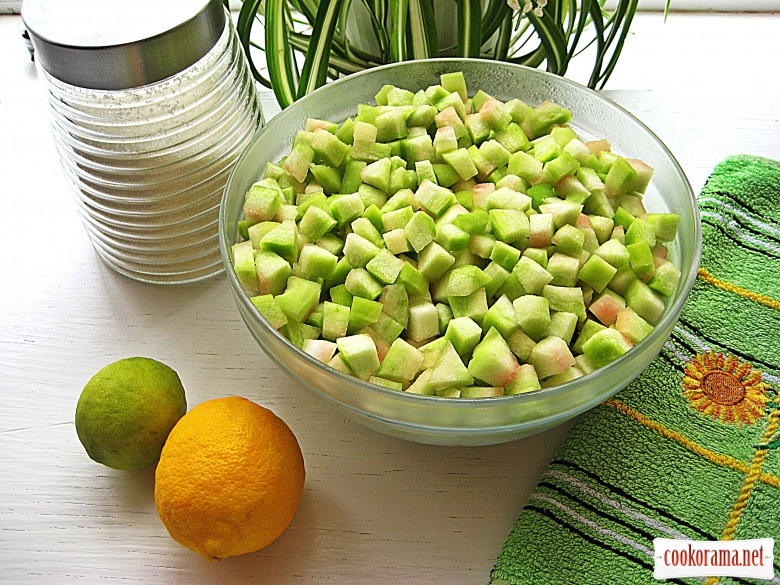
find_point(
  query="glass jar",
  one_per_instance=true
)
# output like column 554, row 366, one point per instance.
column 150, row 103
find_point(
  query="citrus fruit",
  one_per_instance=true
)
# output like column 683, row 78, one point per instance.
column 229, row 478
column 127, row 409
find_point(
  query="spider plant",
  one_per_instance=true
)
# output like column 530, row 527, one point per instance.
column 308, row 41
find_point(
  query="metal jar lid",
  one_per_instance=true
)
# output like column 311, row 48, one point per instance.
column 120, row 44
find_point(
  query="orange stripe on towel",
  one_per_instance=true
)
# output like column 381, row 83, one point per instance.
column 752, row 477
column 750, row 482
column 705, row 275
column 719, row 458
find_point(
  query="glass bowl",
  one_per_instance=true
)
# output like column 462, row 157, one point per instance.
column 457, row 421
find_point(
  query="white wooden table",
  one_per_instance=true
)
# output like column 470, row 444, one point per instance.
column 375, row 509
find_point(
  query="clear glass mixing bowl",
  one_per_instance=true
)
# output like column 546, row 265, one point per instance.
column 456, row 421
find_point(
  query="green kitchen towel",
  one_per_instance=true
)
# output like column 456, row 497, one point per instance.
column 691, row 449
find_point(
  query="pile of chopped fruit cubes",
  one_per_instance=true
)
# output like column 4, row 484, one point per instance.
column 456, row 246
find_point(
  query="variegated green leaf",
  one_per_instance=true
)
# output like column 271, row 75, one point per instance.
column 469, row 28
column 422, row 30
column 279, row 53
column 552, row 40
column 399, row 12
column 315, row 65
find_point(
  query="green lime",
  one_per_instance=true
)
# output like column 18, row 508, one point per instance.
column 127, row 410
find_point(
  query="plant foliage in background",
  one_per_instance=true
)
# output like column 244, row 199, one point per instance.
column 308, row 41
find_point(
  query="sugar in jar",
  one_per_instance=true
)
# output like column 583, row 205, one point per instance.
column 150, row 105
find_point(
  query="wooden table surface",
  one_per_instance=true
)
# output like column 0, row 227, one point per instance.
column 375, row 509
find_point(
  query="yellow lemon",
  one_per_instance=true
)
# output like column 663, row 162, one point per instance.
column 229, row 479
column 127, row 409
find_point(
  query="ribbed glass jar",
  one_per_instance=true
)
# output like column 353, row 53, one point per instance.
column 148, row 125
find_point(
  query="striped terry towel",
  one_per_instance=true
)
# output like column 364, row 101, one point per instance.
column 691, row 449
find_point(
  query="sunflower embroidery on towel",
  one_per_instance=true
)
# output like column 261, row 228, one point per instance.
column 726, row 389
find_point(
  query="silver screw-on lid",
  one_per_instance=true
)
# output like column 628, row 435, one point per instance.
column 119, row 44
